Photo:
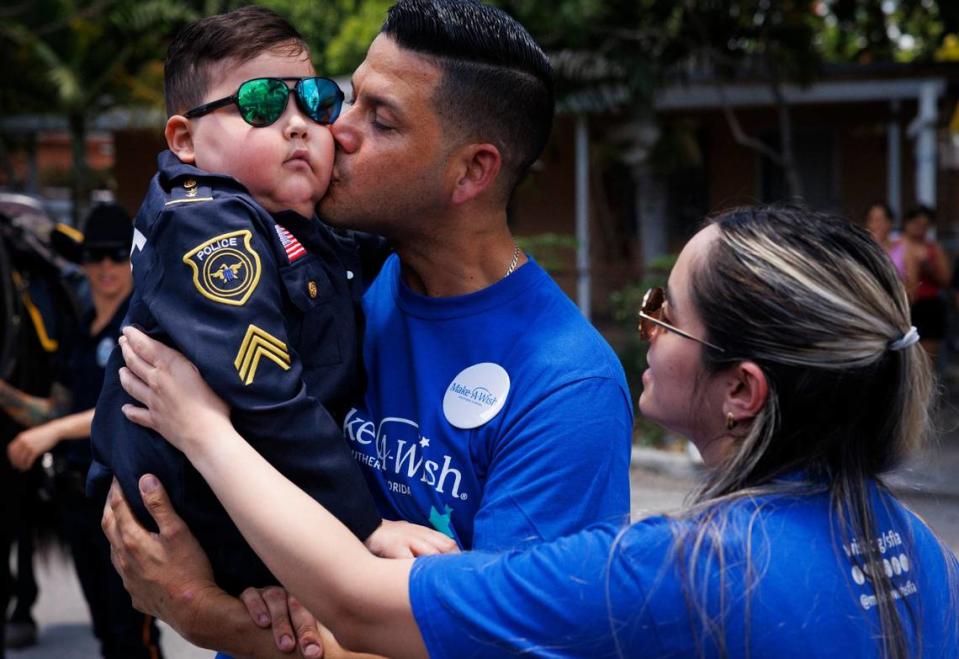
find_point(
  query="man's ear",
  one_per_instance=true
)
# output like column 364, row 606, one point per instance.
column 179, row 138
column 746, row 392
column 477, row 170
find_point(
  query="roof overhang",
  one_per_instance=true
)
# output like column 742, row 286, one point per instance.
column 705, row 96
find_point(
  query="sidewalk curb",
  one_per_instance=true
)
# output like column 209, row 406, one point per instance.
column 904, row 481
column 676, row 465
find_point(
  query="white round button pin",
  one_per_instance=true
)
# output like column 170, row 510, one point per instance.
column 476, row 395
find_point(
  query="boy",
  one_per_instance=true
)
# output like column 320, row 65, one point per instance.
column 229, row 269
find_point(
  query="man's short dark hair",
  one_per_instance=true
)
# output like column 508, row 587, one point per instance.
column 236, row 36
column 497, row 83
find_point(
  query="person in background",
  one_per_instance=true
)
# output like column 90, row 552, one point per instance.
column 927, row 280
column 43, row 298
column 879, row 222
column 61, row 424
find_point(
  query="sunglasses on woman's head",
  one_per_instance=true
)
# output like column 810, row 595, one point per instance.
column 262, row 101
column 650, row 317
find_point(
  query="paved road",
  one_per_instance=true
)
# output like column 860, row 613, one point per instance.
column 64, row 621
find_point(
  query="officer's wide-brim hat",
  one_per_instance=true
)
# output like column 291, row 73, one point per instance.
column 108, row 226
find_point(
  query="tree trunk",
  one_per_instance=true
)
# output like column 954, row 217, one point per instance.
column 790, row 171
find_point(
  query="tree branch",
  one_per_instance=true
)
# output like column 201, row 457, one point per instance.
column 739, row 135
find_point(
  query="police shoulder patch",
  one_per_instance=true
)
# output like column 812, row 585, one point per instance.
column 226, row 268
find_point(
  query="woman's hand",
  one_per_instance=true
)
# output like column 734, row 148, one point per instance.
column 29, row 445
column 178, row 403
column 276, row 608
column 292, row 624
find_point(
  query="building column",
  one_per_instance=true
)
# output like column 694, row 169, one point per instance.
column 651, row 202
column 651, row 199
column 583, row 275
column 894, row 162
column 923, row 129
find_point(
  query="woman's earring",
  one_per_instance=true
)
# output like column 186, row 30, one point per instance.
column 730, row 421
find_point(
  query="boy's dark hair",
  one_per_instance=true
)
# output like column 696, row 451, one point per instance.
column 239, row 35
column 497, row 83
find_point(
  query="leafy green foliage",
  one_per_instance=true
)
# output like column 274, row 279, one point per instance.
column 553, row 251
column 77, row 58
column 338, row 31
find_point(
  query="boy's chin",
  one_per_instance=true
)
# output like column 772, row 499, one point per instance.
column 306, row 208
column 307, row 211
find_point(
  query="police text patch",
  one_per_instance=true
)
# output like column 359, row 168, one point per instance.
column 226, row 268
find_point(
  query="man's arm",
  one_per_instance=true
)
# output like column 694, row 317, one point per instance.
column 563, row 465
column 29, row 410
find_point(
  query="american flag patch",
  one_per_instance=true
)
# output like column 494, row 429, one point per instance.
column 294, row 249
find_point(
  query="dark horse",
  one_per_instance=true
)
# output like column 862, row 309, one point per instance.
column 39, row 307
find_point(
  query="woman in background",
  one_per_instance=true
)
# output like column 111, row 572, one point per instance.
column 928, row 278
column 879, row 222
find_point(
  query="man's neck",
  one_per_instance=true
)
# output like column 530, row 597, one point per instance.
column 458, row 261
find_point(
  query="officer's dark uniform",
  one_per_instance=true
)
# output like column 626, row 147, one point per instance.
column 268, row 308
column 46, row 314
column 123, row 632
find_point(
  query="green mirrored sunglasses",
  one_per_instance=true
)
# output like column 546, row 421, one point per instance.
column 262, row 101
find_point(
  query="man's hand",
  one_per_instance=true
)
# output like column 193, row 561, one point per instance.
column 29, row 445
column 166, row 573
column 406, row 540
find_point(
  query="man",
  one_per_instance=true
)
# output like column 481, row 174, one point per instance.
column 494, row 412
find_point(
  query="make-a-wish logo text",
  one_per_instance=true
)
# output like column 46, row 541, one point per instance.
column 401, row 449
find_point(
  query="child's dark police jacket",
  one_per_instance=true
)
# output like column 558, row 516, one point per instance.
column 268, row 308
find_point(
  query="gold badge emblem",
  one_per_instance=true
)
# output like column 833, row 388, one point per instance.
column 312, row 289
column 226, row 268
column 257, row 344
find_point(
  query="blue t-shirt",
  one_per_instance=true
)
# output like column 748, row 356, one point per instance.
column 613, row 592
column 446, row 442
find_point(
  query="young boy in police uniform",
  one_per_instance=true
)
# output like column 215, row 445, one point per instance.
column 232, row 267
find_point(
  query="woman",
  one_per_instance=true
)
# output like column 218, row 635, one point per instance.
column 878, row 222
column 783, row 350
column 929, row 279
